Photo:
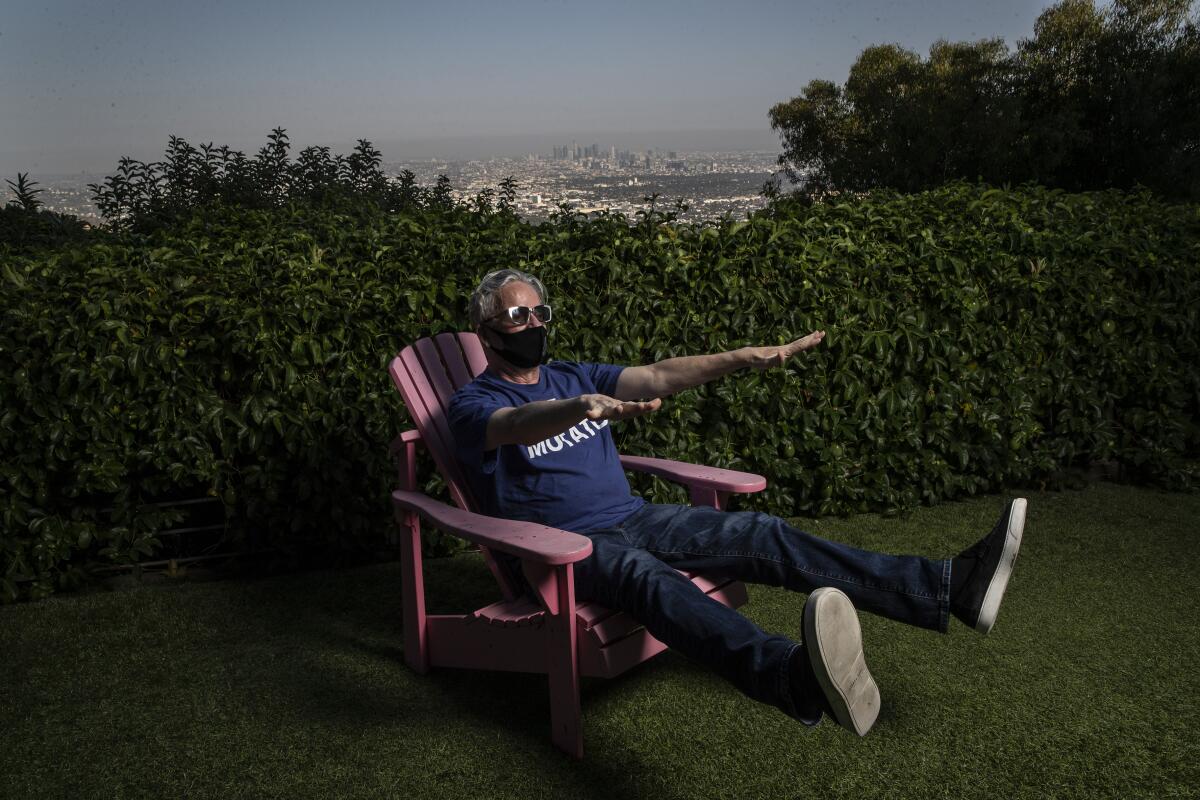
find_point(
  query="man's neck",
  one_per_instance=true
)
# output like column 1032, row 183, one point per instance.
column 505, row 371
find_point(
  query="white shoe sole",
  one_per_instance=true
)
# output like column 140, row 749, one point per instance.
column 1008, row 558
column 833, row 641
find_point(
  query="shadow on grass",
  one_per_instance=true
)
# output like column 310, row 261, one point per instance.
column 345, row 666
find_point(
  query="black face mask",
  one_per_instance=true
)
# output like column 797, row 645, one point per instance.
column 524, row 349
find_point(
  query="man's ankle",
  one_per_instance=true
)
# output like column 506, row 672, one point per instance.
column 808, row 701
column 961, row 569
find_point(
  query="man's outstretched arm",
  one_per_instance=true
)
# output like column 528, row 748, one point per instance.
column 673, row 375
column 541, row 419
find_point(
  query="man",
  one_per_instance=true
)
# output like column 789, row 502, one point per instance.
column 535, row 444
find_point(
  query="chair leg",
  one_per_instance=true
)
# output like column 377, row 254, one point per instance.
column 566, row 719
column 416, row 646
column 709, row 497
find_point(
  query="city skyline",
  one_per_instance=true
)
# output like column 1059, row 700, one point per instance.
column 590, row 178
column 83, row 85
column 462, row 149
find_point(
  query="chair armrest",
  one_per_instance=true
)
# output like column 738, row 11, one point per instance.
column 402, row 440
column 527, row 540
column 714, row 478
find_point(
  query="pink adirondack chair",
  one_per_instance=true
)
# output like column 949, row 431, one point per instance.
column 554, row 634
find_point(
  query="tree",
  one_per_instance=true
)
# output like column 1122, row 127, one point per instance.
column 901, row 121
column 815, row 130
column 884, row 90
column 143, row 196
column 1098, row 97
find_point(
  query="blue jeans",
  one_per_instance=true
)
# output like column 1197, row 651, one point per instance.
column 632, row 568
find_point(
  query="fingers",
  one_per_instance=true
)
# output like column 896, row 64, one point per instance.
column 808, row 342
column 635, row 408
column 604, row 407
column 768, row 357
column 779, row 357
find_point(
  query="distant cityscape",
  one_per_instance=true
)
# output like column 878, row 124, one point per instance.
column 589, row 178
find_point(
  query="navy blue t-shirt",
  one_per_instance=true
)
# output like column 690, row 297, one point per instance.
column 573, row 480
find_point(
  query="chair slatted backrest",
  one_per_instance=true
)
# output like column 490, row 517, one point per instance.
column 428, row 373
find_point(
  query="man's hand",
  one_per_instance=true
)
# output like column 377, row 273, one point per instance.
column 601, row 406
column 778, row 355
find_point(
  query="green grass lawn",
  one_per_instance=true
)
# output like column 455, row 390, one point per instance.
column 295, row 686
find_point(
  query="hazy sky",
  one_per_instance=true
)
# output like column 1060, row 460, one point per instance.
column 83, row 83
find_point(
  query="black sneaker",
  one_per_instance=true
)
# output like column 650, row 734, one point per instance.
column 833, row 642
column 984, row 569
column 808, row 699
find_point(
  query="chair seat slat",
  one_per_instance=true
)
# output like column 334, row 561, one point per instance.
column 511, row 613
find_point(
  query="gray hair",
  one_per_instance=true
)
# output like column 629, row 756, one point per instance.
column 485, row 301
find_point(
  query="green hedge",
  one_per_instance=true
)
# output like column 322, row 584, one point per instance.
column 976, row 337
